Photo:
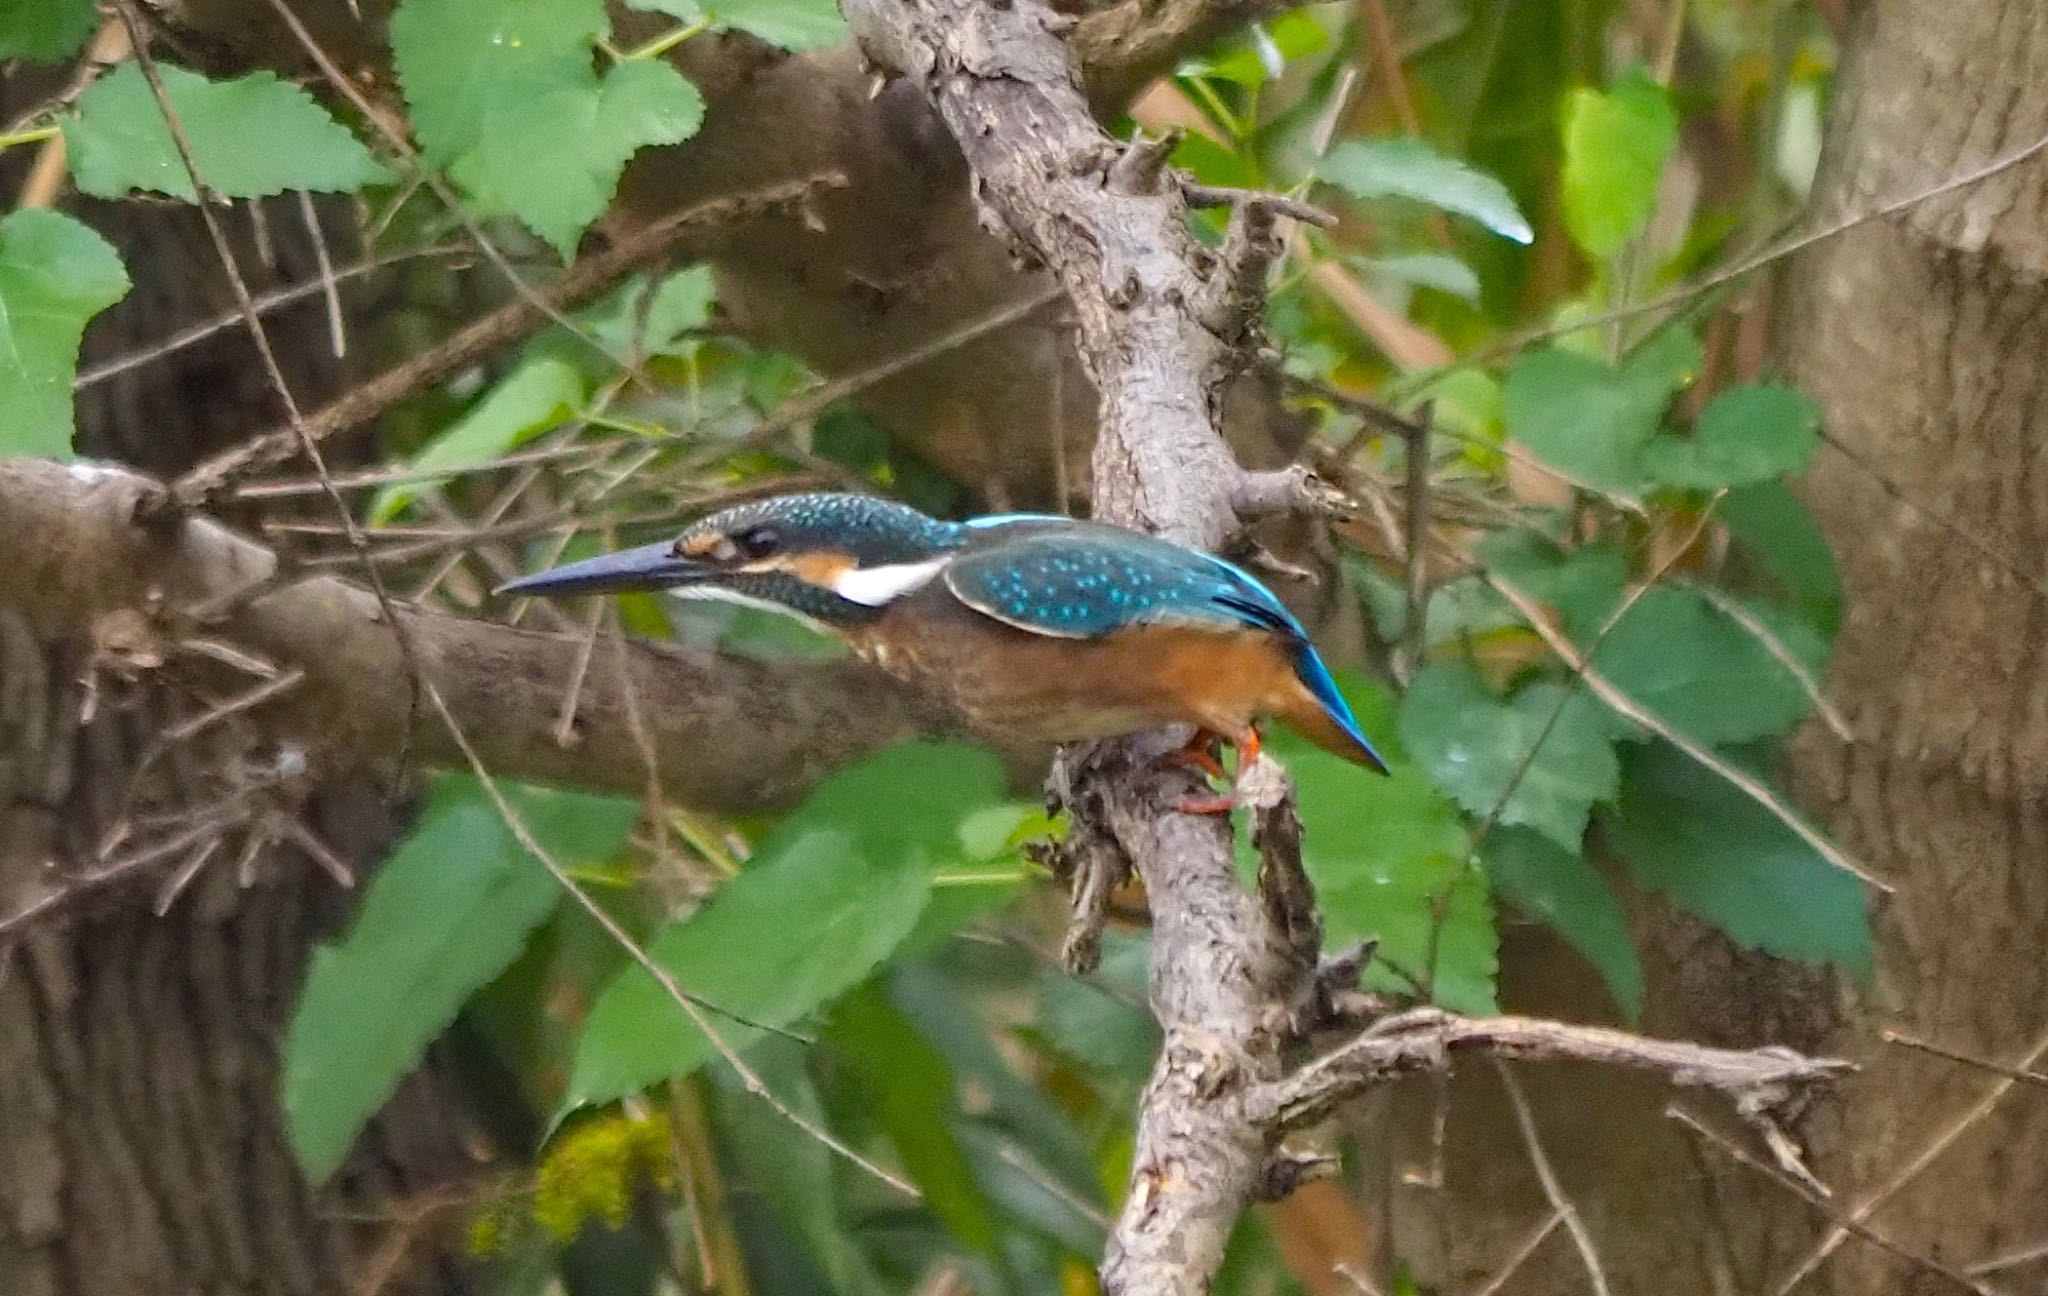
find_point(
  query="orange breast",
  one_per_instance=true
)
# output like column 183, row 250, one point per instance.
column 1015, row 682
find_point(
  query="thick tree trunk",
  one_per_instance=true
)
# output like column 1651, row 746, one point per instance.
column 141, row 1137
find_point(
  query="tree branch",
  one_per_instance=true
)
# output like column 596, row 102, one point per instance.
column 729, row 734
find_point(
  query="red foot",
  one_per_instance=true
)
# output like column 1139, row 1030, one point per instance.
column 1199, row 752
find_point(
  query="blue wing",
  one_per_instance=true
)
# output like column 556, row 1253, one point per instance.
column 1083, row 582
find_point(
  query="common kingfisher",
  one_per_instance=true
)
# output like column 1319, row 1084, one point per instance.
column 1030, row 625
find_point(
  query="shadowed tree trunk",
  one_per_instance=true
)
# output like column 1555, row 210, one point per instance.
column 141, row 1139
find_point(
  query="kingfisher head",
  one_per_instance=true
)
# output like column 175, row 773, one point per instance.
column 829, row 558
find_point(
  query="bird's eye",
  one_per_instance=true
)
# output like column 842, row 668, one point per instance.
column 757, row 541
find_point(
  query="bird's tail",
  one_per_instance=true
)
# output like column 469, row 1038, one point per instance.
column 1318, row 712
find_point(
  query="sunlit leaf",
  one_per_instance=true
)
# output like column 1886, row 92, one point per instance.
column 793, row 24
column 1745, row 435
column 55, row 274
column 840, row 882
column 535, row 397
column 503, row 93
column 250, row 137
column 1714, row 850
column 1561, row 888
column 448, row 911
column 42, row 30
column 1615, row 144
column 1408, row 168
column 1388, row 858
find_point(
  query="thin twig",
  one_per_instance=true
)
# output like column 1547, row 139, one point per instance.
column 1843, row 1224
column 1552, row 1190
column 1891, row 1036
column 1521, row 1256
column 1941, row 1142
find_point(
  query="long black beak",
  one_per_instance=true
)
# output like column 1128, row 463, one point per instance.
column 650, row 567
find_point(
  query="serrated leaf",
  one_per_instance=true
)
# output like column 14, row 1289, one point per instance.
column 1548, row 749
column 1699, row 671
column 793, row 24
column 502, row 93
column 828, row 917
column 449, row 910
column 1385, row 853
column 1615, row 144
column 1408, row 168
column 535, row 397
column 1745, row 435
column 1714, row 850
column 1567, row 893
column 251, row 137
column 1591, row 422
column 840, row 882
column 55, row 274
column 43, row 30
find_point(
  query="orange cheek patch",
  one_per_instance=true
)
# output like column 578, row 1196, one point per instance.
column 822, row 569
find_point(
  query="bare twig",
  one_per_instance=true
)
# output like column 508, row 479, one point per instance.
column 1554, row 1192
column 1428, row 1040
column 1939, row 1144
column 1847, row 1225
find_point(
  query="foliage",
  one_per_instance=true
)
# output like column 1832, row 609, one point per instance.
column 55, row 274
column 501, row 93
column 250, row 137
column 447, row 912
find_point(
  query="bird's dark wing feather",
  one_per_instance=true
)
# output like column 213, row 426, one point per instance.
column 1085, row 582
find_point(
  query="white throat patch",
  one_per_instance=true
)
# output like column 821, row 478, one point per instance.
column 878, row 586
column 715, row 594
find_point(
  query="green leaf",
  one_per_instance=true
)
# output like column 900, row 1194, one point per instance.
column 1090, row 1022
column 910, row 1088
column 1529, row 871
column 1261, row 53
column 838, row 885
column 1475, row 746
column 799, row 927
column 504, row 93
column 1698, row 670
column 1591, row 422
column 43, row 30
column 55, row 274
column 448, row 911
column 251, row 137
column 537, row 396
column 1388, row 856
column 793, row 24
column 1768, row 522
column 1435, row 270
column 1745, row 436
column 1690, row 834
column 1408, row 168
column 789, row 1166
column 1615, row 145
